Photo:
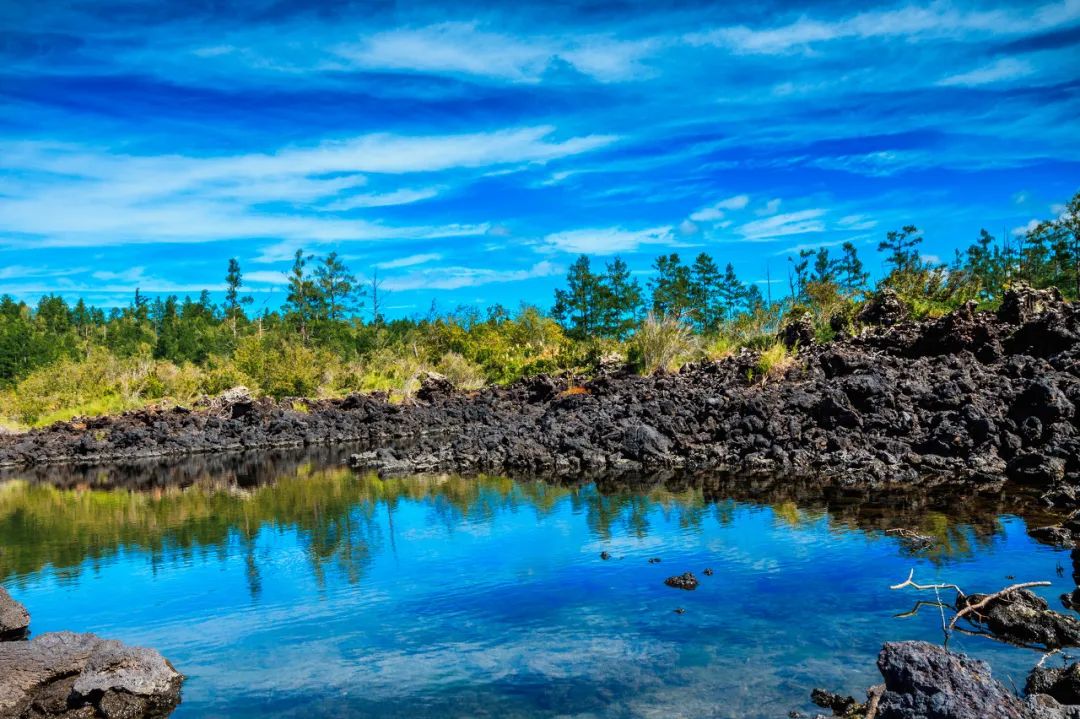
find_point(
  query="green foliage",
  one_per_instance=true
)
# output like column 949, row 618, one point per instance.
column 659, row 341
column 59, row 360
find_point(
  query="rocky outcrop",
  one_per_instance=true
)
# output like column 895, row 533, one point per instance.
column 924, row 681
column 980, row 396
column 14, row 619
column 81, row 676
column 1061, row 683
column 1023, row 617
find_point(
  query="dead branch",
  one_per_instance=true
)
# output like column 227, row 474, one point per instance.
column 1046, row 656
column 874, row 698
column 910, row 582
column 919, row 605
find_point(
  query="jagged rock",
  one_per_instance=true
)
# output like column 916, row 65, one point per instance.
column 686, row 580
column 924, row 681
column 798, row 332
column 885, row 309
column 433, row 385
column 64, row 674
column 1021, row 303
column 841, row 706
column 1062, row 683
column 1023, row 617
column 14, row 619
column 642, row 442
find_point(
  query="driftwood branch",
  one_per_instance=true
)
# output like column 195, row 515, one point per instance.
column 910, row 582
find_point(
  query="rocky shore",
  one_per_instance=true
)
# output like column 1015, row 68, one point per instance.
column 980, row 396
column 78, row 676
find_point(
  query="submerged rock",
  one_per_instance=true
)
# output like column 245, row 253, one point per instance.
column 14, row 619
column 69, row 675
column 686, row 580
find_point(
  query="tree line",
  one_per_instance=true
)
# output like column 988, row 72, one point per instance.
column 328, row 308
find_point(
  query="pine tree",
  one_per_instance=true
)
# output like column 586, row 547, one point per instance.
column 580, row 306
column 901, row 248
column 732, row 292
column 849, row 268
column 303, row 298
column 672, row 288
column 620, row 300
column 705, row 292
column 234, row 280
column 337, row 288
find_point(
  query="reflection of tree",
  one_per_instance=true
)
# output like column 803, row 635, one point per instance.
column 342, row 519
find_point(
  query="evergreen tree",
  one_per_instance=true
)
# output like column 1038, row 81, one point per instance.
column 672, row 287
column 234, row 280
column 337, row 288
column 849, row 269
column 707, row 310
column 580, row 306
column 901, row 248
column 619, row 299
column 303, row 300
column 732, row 292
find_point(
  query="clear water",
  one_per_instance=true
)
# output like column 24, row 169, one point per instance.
column 304, row 590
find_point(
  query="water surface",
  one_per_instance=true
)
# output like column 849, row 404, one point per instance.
column 298, row 588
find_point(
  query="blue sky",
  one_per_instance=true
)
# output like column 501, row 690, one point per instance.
column 470, row 152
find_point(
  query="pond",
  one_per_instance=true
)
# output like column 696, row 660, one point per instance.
column 290, row 586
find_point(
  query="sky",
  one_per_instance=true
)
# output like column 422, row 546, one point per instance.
column 468, row 153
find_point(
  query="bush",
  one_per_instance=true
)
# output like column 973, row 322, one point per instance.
column 280, row 368
column 773, row 362
column 659, row 341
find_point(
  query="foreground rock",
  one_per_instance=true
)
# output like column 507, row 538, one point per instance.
column 80, row 676
column 976, row 395
column 14, row 619
column 926, row 681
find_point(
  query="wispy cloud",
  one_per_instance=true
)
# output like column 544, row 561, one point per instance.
column 452, row 278
column 1006, row 68
column 783, row 225
column 607, row 241
column 409, row 261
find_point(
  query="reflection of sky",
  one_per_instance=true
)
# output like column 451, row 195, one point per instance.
column 514, row 614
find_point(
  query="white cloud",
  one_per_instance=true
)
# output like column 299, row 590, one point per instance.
column 607, row 241
column 716, row 210
column 791, row 223
column 1024, row 229
column 452, row 278
column 911, row 23
column 69, row 196
column 409, row 261
column 771, row 207
column 1006, row 68
column 463, row 48
column 404, row 196
column 265, row 277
